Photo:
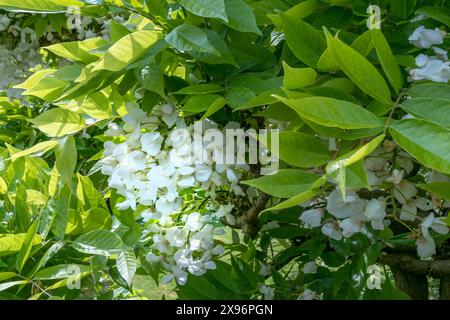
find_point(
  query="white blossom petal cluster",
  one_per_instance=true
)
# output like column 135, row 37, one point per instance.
column 17, row 58
column 150, row 164
column 435, row 68
column 351, row 214
column 185, row 249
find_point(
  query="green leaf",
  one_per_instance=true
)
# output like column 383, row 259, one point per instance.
column 359, row 70
column 440, row 189
column 387, row 59
column 127, row 265
column 88, row 194
column 27, row 244
column 427, row 142
column 402, row 8
column 439, row 13
column 58, row 122
column 96, row 105
column 206, row 8
column 66, row 157
column 330, row 112
column 430, row 90
column 117, row 30
column 40, row 147
column 7, row 285
column 62, row 207
column 3, row 186
column 95, row 219
column 201, row 102
column 239, row 97
column 240, row 16
column 60, row 271
column 126, row 51
column 302, row 150
column 218, row 104
column 297, row 78
column 78, row 51
column 435, row 110
column 187, row 37
column 7, row 275
column 100, row 242
column 12, row 243
column 356, row 176
column 295, row 200
column 151, row 78
column 200, row 89
column 22, row 215
column 219, row 45
column 41, row 6
column 285, row 183
column 307, row 43
column 355, row 156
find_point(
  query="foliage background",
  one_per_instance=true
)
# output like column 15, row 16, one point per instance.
column 338, row 91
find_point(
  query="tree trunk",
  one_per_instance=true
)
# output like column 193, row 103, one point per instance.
column 414, row 285
column 444, row 288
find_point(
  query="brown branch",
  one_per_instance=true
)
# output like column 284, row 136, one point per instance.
column 435, row 268
column 249, row 221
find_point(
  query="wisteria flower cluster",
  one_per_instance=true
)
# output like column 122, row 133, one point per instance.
column 150, row 166
column 437, row 67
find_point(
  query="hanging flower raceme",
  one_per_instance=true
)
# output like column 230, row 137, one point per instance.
column 150, row 164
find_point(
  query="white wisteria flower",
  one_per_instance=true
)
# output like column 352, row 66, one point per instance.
column 426, row 247
column 312, row 217
column 426, row 38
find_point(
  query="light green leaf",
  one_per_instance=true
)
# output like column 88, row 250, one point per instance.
column 41, row 6
column 127, row 265
column 126, row 51
column 100, row 242
column 27, row 244
column 58, row 122
column 7, row 275
column 151, row 78
column 354, row 156
column 61, row 271
column 285, row 183
column 333, row 113
column 427, row 142
column 187, row 37
column 387, row 59
column 12, row 243
column 7, row 285
column 302, row 150
column 206, row 8
column 95, row 219
column 297, row 78
column 440, row 189
column 240, row 16
column 78, row 50
column 359, row 70
column 430, row 90
column 218, row 104
column 294, row 201
column 307, row 43
column 37, row 148
column 200, row 89
column 435, row 110
column 201, row 102
column 66, row 157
